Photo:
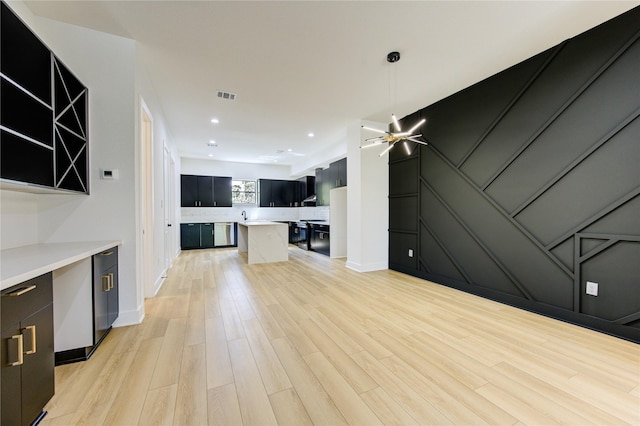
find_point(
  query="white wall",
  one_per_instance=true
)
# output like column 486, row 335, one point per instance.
column 106, row 65
column 249, row 171
column 145, row 93
column 18, row 219
column 367, row 203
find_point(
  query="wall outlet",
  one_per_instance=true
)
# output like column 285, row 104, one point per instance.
column 410, row 253
column 592, row 288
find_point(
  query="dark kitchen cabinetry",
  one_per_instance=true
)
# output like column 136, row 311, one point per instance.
column 27, row 354
column 44, row 136
column 338, row 173
column 334, row 176
column 320, row 238
column 196, row 235
column 279, row 193
column 105, row 293
column 205, row 191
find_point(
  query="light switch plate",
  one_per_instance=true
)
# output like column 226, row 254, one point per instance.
column 410, row 253
column 592, row 288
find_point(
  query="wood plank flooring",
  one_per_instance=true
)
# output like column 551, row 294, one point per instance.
column 311, row 342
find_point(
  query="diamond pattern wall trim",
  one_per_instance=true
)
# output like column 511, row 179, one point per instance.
column 530, row 185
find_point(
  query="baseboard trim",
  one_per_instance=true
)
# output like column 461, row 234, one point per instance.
column 367, row 267
column 126, row 318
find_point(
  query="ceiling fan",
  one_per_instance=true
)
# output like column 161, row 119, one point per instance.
column 392, row 138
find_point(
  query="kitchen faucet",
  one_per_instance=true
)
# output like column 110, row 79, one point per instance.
column 244, row 214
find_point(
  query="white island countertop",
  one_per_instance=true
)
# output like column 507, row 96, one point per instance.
column 23, row 263
column 263, row 241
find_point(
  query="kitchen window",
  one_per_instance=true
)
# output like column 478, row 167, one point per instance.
column 243, row 191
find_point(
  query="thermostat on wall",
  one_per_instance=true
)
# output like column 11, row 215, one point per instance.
column 109, row 174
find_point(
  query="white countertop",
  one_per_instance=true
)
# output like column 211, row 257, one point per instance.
column 23, row 263
column 260, row 223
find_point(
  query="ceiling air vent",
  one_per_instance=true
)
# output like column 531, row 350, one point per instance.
column 226, row 95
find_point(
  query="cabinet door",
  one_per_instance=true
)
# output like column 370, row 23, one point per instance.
column 289, row 193
column 38, row 368
column 205, row 191
column 189, row 236
column 188, row 191
column 101, row 287
column 10, row 376
column 265, row 192
column 221, row 191
column 340, row 173
column 206, row 235
column 113, row 304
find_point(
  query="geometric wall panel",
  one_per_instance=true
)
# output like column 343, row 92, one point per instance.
column 44, row 110
column 530, row 184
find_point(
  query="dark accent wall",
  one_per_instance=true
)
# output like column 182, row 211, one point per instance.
column 530, row 184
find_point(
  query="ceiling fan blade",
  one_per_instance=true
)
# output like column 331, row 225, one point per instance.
column 420, row 123
column 374, row 130
column 387, row 149
column 395, row 123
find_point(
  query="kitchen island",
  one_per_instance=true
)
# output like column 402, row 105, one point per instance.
column 263, row 241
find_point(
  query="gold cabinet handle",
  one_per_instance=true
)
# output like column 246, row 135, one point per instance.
column 110, row 280
column 20, row 291
column 15, row 356
column 104, row 280
column 106, row 253
column 30, row 335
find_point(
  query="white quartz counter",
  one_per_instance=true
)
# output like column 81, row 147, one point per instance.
column 264, row 241
column 23, row 263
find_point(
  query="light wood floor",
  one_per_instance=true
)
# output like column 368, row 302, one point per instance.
column 310, row 342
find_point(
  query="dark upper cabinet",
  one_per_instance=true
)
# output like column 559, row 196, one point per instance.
column 339, row 173
column 222, row 191
column 44, row 139
column 334, row 176
column 205, row 191
column 26, row 356
column 279, row 193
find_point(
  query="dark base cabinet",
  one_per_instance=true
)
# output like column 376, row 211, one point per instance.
column 27, row 371
column 320, row 239
column 105, row 293
column 196, row 235
column 105, row 305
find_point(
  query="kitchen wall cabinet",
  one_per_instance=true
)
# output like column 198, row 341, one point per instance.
column 44, row 136
column 338, row 173
column 334, row 176
column 27, row 354
column 196, row 235
column 205, row 191
column 279, row 193
column 105, row 293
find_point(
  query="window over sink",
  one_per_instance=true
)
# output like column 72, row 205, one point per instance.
column 243, row 191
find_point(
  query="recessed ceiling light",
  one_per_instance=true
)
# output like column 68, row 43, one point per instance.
column 289, row 150
column 212, row 143
column 215, row 120
column 310, row 134
column 210, row 155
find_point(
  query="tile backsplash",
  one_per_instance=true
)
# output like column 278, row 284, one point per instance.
column 234, row 214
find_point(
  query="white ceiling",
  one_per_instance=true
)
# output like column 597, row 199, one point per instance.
column 314, row 66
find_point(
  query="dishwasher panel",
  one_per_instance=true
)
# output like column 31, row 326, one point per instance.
column 224, row 234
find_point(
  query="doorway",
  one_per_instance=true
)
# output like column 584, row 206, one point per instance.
column 146, row 142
